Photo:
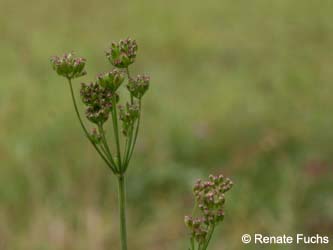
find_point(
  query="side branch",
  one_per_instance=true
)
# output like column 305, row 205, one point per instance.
column 85, row 130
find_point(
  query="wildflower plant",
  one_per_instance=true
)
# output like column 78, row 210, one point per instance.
column 101, row 99
column 209, row 200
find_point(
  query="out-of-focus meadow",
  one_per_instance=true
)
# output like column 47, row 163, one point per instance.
column 238, row 87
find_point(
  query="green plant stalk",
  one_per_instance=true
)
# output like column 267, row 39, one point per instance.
column 116, row 132
column 135, row 135
column 122, row 211
column 107, row 149
column 129, row 141
column 192, row 243
column 209, row 237
column 127, row 147
column 130, row 135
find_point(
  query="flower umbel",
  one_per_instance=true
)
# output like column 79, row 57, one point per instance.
column 111, row 80
column 69, row 66
column 138, row 86
column 209, row 196
column 122, row 53
column 128, row 116
column 98, row 101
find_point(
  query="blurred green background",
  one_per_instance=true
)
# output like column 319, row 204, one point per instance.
column 238, row 87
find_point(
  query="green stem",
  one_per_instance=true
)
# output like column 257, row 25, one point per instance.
column 128, row 145
column 103, row 149
column 192, row 242
column 131, row 147
column 116, row 131
column 85, row 130
column 128, row 73
column 122, row 211
column 210, row 234
column 130, row 134
column 125, row 148
column 135, row 137
column 106, row 146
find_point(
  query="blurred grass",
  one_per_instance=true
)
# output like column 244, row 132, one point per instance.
column 239, row 87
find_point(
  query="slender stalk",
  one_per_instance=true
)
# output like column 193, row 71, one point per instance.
column 129, row 141
column 85, row 130
column 116, row 131
column 128, row 73
column 128, row 149
column 106, row 146
column 122, row 211
column 210, row 234
column 130, row 134
column 103, row 149
column 131, row 147
column 192, row 242
column 135, row 137
column 127, row 146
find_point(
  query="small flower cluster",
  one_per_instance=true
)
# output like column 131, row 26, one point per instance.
column 138, row 86
column 196, row 226
column 128, row 116
column 69, row 66
column 122, row 53
column 209, row 196
column 111, row 80
column 98, row 101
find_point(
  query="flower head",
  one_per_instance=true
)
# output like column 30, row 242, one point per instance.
column 98, row 101
column 197, row 227
column 111, row 80
column 122, row 53
column 210, row 198
column 138, row 86
column 69, row 66
column 128, row 116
